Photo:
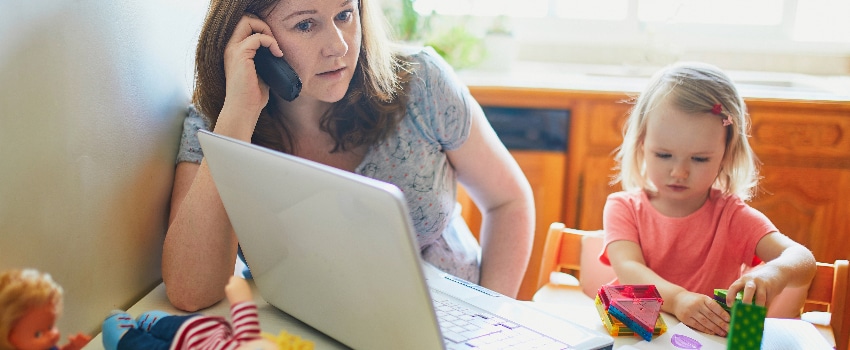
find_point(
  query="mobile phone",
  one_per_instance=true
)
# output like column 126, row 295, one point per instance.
column 277, row 73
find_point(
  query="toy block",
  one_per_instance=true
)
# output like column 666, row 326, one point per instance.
column 628, row 292
column 640, row 315
column 747, row 326
column 720, row 298
column 636, row 306
column 617, row 328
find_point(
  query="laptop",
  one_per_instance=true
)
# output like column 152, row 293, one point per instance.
column 337, row 251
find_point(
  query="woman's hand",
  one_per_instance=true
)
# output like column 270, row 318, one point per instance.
column 701, row 312
column 246, row 94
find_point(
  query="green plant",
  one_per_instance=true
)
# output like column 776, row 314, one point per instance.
column 406, row 24
column 459, row 47
column 410, row 22
column 453, row 41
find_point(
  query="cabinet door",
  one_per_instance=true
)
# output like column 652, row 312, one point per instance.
column 545, row 174
column 594, row 187
column 596, row 132
column 810, row 206
column 805, row 153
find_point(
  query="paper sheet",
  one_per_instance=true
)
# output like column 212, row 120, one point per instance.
column 791, row 334
column 680, row 336
column 779, row 334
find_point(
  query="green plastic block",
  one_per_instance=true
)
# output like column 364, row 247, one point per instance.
column 747, row 326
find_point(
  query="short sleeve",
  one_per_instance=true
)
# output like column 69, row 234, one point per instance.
column 618, row 221
column 190, row 147
column 748, row 226
column 440, row 103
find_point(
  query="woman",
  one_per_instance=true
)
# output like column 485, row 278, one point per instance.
column 403, row 118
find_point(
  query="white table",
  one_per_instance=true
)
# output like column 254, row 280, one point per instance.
column 273, row 320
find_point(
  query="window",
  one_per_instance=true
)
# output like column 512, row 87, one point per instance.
column 668, row 28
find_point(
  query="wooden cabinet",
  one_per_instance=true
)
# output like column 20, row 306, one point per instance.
column 595, row 134
column 803, row 146
column 545, row 173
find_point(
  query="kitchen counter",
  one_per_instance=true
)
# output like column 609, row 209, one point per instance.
column 631, row 80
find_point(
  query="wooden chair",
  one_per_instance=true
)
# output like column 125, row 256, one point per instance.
column 570, row 270
column 829, row 292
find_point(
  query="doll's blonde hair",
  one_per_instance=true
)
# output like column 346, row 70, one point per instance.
column 691, row 87
column 20, row 290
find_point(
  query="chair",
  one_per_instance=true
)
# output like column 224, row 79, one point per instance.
column 828, row 292
column 574, row 251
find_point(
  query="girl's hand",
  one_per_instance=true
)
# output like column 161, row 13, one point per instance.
column 245, row 92
column 760, row 286
column 701, row 312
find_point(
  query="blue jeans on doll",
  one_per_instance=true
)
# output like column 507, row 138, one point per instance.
column 151, row 330
column 159, row 336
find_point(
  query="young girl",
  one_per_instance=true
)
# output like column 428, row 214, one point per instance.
column 681, row 221
column 30, row 304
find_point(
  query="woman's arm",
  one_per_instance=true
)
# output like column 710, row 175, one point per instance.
column 696, row 310
column 199, row 252
column 500, row 190
column 787, row 264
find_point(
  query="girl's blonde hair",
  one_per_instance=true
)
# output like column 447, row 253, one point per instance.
column 691, row 87
column 20, row 290
column 371, row 108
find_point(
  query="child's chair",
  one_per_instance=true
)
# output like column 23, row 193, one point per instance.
column 576, row 252
column 829, row 291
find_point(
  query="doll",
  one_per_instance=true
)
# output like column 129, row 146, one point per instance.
column 161, row 330
column 30, row 304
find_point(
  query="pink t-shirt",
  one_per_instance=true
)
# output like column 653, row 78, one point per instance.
column 700, row 252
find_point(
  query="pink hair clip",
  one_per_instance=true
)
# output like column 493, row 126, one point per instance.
column 718, row 110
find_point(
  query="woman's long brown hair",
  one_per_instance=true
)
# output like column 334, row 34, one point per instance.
column 371, row 108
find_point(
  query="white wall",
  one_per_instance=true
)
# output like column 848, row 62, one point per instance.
column 92, row 95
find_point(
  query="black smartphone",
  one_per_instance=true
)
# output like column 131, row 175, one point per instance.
column 277, row 73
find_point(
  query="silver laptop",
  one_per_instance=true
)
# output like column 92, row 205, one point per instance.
column 337, row 250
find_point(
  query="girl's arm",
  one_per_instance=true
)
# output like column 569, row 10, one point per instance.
column 787, row 264
column 696, row 310
column 500, row 190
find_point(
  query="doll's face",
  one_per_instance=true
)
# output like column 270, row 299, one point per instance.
column 36, row 330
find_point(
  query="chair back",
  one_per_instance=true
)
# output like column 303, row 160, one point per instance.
column 575, row 252
column 828, row 292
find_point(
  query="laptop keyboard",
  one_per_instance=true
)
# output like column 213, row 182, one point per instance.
column 466, row 327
